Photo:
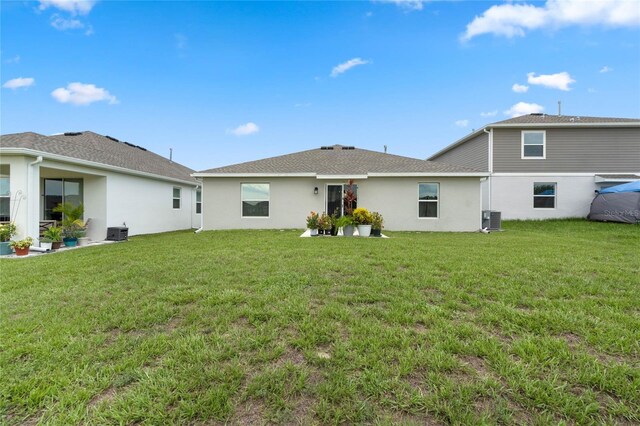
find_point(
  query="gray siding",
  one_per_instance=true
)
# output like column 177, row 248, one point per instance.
column 571, row 150
column 474, row 154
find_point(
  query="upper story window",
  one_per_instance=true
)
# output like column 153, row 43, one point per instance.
column 255, row 199
column 428, row 200
column 198, row 201
column 177, row 196
column 534, row 144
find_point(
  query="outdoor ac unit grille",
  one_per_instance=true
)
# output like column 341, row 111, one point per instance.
column 492, row 220
column 117, row 234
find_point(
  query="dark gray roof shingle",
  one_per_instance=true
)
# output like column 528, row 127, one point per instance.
column 564, row 119
column 93, row 147
column 340, row 161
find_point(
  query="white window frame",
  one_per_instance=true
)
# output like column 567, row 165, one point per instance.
column 554, row 196
column 179, row 197
column 429, row 201
column 198, row 191
column 268, row 216
column 544, row 145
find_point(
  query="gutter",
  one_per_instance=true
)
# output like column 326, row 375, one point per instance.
column 327, row 177
column 93, row 164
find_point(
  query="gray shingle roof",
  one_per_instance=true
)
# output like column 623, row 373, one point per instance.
column 339, row 160
column 562, row 119
column 93, row 147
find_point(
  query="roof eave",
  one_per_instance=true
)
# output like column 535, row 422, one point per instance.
column 342, row 176
column 457, row 143
column 87, row 163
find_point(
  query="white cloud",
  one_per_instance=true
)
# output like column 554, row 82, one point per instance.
column 520, row 88
column 605, row 69
column 462, row 123
column 244, row 129
column 406, row 4
column 82, row 94
column 16, row 83
column 64, row 24
column 489, row 113
column 523, row 108
column 346, row 66
column 514, row 20
column 560, row 81
column 14, row 60
column 74, row 7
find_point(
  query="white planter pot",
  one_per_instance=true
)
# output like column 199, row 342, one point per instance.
column 46, row 246
column 364, row 230
column 313, row 232
column 83, row 241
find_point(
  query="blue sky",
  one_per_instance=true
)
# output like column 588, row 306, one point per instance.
column 222, row 83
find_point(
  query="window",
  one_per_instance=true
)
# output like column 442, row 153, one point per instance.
column 428, row 196
column 533, row 144
column 177, row 192
column 198, row 201
column 56, row 191
column 5, row 194
column 255, row 199
column 544, row 195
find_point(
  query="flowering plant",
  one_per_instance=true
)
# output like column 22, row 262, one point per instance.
column 312, row 220
column 21, row 244
column 325, row 222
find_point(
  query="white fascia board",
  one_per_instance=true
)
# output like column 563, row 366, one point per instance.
column 559, row 174
column 568, row 125
column 599, row 179
column 339, row 177
column 92, row 164
column 250, row 175
column 429, row 174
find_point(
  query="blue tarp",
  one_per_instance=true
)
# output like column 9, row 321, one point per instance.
column 625, row 187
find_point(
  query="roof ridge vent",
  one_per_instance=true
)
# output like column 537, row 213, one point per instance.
column 112, row 138
column 348, row 148
column 326, row 148
column 72, row 133
column 537, row 114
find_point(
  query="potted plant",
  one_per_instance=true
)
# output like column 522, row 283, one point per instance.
column 324, row 224
column 363, row 219
column 334, row 219
column 21, row 246
column 346, row 223
column 7, row 231
column 72, row 225
column 350, row 197
column 53, row 234
column 312, row 223
column 377, row 223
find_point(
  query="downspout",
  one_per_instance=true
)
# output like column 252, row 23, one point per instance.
column 490, row 160
column 31, row 202
column 199, row 230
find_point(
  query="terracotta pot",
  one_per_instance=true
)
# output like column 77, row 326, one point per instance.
column 21, row 251
column 56, row 245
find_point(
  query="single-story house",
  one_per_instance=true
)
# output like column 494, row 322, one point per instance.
column 119, row 184
column 279, row 192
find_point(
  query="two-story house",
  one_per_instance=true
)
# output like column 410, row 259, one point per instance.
column 548, row 166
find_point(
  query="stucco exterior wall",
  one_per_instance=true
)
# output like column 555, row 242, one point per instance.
column 291, row 200
column 513, row 196
column 110, row 198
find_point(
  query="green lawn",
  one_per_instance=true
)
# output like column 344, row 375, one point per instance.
column 537, row 324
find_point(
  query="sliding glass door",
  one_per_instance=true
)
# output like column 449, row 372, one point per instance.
column 56, row 191
column 335, row 198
